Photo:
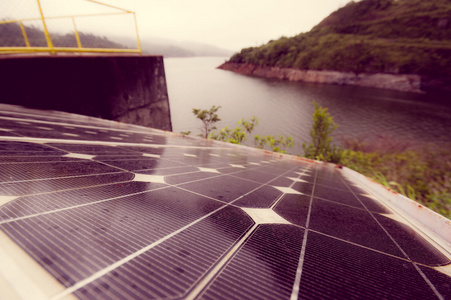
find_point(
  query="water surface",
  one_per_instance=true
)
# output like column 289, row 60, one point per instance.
column 286, row 107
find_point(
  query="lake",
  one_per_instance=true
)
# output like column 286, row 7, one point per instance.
column 286, row 107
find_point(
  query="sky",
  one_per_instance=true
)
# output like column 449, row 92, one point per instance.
column 228, row 24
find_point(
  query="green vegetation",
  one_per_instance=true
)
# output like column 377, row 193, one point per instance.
column 239, row 134
column 370, row 36
column 421, row 173
column 208, row 118
column 321, row 133
column 11, row 36
column 186, row 132
column 276, row 144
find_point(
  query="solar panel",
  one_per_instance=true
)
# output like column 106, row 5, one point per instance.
column 105, row 210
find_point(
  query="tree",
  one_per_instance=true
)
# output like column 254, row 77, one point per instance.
column 208, row 118
column 237, row 135
column 323, row 126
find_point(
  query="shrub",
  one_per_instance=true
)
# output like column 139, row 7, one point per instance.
column 321, row 134
column 208, row 118
column 421, row 173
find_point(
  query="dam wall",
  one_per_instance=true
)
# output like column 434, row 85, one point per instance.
column 125, row 88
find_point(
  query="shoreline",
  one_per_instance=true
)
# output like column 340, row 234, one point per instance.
column 402, row 82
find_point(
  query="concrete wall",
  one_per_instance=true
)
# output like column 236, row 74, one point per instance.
column 126, row 88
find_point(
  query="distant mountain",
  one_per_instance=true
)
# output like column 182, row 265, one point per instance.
column 201, row 49
column 169, row 48
column 369, row 36
column 11, row 36
column 165, row 49
column 181, row 49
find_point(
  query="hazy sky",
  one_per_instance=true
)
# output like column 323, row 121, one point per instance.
column 229, row 24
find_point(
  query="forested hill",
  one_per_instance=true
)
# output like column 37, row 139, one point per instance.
column 11, row 36
column 369, row 36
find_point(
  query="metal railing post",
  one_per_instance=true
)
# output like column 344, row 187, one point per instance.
column 77, row 37
column 46, row 32
column 137, row 34
column 24, row 33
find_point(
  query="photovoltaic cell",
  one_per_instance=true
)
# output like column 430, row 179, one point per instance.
column 172, row 268
column 101, row 233
column 263, row 197
column 334, row 269
column 114, row 211
column 264, row 268
column 294, row 208
column 351, row 224
column 31, row 187
column 412, row 243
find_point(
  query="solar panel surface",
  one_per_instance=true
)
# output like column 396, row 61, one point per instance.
column 116, row 211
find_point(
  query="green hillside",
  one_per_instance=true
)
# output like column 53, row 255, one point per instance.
column 11, row 36
column 369, row 36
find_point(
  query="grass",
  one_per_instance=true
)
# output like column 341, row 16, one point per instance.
column 420, row 172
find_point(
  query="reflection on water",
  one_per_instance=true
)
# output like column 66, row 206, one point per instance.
column 286, row 107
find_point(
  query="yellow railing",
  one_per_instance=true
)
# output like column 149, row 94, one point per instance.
column 79, row 48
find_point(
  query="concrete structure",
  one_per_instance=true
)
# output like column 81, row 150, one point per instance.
column 126, row 88
column 95, row 209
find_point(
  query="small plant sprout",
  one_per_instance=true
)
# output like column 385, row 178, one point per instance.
column 208, row 118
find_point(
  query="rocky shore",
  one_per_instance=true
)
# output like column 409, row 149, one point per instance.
column 401, row 82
